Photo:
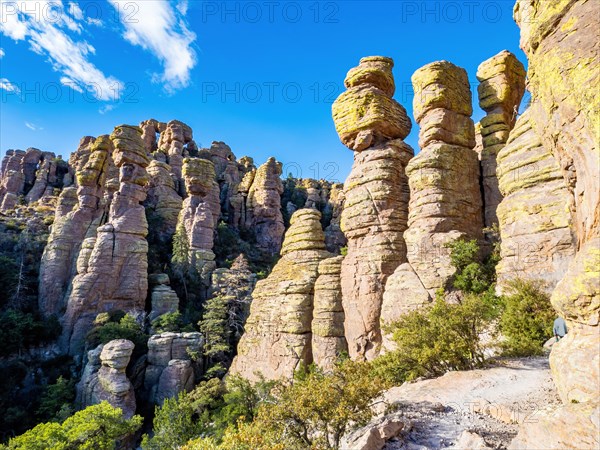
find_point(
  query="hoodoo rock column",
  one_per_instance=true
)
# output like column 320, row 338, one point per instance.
column 372, row 124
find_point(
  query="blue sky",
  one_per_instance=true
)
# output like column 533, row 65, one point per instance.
column 260, row 76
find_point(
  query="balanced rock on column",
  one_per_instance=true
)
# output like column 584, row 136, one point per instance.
column 375, row 213
column 501, row 88
column 278, row 331
column 445, row 198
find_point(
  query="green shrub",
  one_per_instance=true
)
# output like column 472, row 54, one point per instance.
column 19, row 331
column 126, row 328
column 527, row 319
column 436, row 339
column 57, row 400
column 97, row 427
column 472, row 275
column 168, row 322
column 344, row 251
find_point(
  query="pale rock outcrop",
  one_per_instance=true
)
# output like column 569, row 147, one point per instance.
column 239, row 215
column 175, row 137
column 199, row 216
column 104, row 377
column 163, row 200
column 73, row 224
column 538, row 239
column 49, row 175
column 12, row 180
column 376, row 192
column 445, row 199
column 114, row 276
column 163, row 299
column 561, row 42
column 170, row 367
column 501, row 88
column 150, row 128
column 263, row 207
column 377, row 433
column 278, row 331
column 327, row 327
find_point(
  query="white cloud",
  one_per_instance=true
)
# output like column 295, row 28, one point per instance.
column 106, row 108
column 2, row 52
column 6, row 85
column 66, row 81
column 161, row 29
column 32, row 126
column 44, row 25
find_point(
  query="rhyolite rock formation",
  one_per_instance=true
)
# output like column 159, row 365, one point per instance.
column 199, row 217
column 562, row 47
column 104, row 377
column 445, row 199
column 328, row 341
column 538, row 239
column 375, row 210
column 113, row 275
column 170, row 367
column 501, row 88
column 263, row 207
column 73, row 224
column 164, row 299
column 163, row 201
column 278, row 331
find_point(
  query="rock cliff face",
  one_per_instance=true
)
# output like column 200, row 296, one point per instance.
column 278, row 331
column 560, row 41
column 72, row 227
column 445, row 199
column 375, row 211
column 538, row 239
column 104, row 377
column 327, row 327
column 113, row 274
column 501, row 88
column 263, row 207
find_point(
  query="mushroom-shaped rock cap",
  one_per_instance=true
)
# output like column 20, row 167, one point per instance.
column 375, row 71
column 441, row 84
column 116, row 353
column 305, row 232
column 129, row 146
column 502, row 80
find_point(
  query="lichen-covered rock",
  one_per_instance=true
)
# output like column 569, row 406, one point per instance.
column 175, row 138
column 104, row 377
column 561, row 44
column 445, row 200
column 170, row 367
column 501, row 88
column 278, row 330
column 334, row 236
column 366, row 114
column 163, row 200
column 328, row 341
column 538, row 240
column 263, row 207
column 58, row 264
column 375, row 208
column 199, row 216
column 115, row 275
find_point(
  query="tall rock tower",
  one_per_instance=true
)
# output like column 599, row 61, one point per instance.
column 372, row 124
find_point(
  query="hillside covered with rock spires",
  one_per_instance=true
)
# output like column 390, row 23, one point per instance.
column 160, row 295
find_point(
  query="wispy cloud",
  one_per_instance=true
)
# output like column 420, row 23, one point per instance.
column 106, row 108
column 160, row 28
column 45, row 25
column 32, row 126
column 2, row 52
column 6, row 85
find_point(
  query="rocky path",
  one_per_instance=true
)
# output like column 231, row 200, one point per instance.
column 490, row 403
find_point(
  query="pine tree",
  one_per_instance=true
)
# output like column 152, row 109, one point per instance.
column 216, row 335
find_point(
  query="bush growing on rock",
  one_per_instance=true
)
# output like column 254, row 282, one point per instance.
column 527, row 319
column 117, row 326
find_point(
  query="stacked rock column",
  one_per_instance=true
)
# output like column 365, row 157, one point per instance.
column 278, row 331
column 501, row 88
column 375, row 212
column 114, row 276
column 445, row 197
column 199, row 217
